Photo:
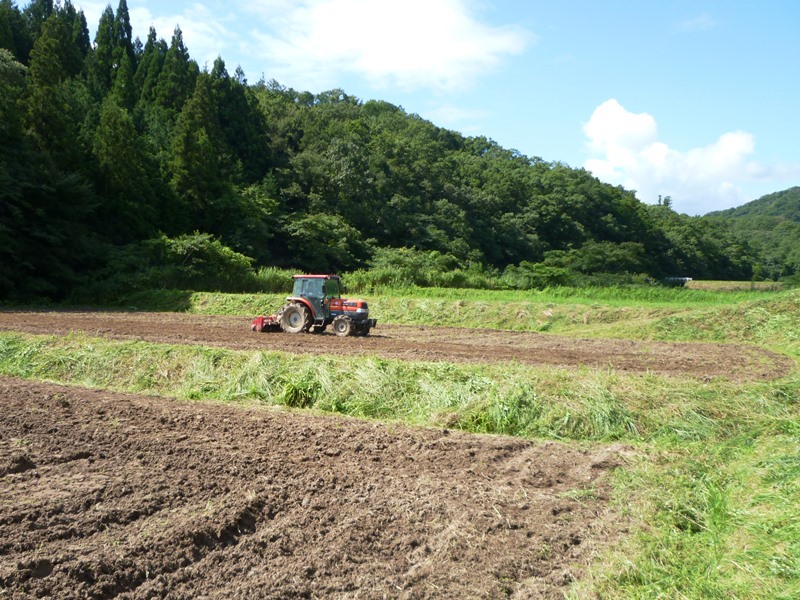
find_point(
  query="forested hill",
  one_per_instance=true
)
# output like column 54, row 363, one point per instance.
column 783, row 205
column 118, row 155
column 771, row 225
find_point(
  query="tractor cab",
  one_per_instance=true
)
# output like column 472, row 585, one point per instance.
column 318, row 291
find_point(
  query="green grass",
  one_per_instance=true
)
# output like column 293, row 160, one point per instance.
column 514, row 399
column 611, row 295
column 717, row 519
column 710, row 496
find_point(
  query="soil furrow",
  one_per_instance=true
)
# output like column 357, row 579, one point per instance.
column 177, row 499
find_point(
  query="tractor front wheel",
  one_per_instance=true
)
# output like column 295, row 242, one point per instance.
column 295, row 318
column 342, row 326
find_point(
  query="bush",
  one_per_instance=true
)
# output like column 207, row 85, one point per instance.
column 530, row 276
column 273, row 280
column 399, row 268
column 189, row 262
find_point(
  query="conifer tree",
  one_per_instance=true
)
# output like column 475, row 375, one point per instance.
column 194, row 162
column 126, row 175
column 149, row 66
column 53, row 113
column 14, row 33
column 48, row 66
column 101, row 65
column 80, row 34
column 76, row 51
column 176, row 80
column 44, row 207
column 124, row 91
column 123, row 37
column 6, row 33
column 242, row 124
column 36, row 13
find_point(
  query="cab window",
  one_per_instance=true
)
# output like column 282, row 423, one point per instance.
column 332, row 288
column 310, row 288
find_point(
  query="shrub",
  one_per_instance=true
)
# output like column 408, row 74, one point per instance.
column 195, row 261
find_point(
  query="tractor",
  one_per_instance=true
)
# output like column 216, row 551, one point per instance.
column 314, row 304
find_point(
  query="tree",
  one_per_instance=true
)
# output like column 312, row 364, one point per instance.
column 129, row 211
column 325, row 243
column 7, row 12
column 101, row 65
column 77, row 48
column 150, row 66
column 13, row 204
column 80, row 34
column 124, row 90
column 36, row 13
column 123, row 38
column 177, row 78
column 54, row 111
column 242, row 124
column 44, row 210
column 194, row 158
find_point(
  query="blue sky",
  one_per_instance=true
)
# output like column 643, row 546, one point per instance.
column 697, row 100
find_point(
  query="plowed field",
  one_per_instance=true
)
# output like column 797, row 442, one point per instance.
column 112, row 495
column 115, row 495
column 420, row 343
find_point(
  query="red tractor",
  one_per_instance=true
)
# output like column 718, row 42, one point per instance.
column 315, row 304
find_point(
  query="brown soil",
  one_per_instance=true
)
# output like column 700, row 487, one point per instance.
column 105, row 495
column 703, row 360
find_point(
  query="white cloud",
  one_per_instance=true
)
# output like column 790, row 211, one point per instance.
column 92, row 11
column 625, row 150
column 441, row 45
column 203, row 30
column 438, row 44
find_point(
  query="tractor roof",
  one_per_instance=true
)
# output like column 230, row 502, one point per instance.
column 316, row 276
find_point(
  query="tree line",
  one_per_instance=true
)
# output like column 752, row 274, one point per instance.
column 113, row 150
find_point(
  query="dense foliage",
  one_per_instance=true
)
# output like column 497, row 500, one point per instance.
column 771, row 225
column 106, row 145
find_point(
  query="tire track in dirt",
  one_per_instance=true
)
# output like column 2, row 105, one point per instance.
column 701, row 360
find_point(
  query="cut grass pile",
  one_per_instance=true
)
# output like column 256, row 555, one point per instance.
column 552, row 403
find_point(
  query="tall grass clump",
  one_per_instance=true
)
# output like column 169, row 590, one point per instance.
column 273, row 280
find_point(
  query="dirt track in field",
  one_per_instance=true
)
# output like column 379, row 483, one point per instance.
column 702, row 360
column 115, row 495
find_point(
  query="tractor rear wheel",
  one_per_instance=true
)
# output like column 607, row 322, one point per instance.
column 342, row 326
column 295, row 318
